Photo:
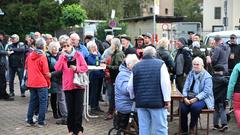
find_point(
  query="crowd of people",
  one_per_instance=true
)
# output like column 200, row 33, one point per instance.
column 139, row 72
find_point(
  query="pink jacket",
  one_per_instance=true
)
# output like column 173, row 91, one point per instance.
column 68, row 73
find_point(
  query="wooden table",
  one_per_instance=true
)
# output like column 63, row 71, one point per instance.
column 176, row 95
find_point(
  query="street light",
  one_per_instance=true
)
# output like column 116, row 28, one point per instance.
column 1, row 12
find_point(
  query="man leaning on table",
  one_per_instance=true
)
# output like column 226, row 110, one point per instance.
column 150, row 87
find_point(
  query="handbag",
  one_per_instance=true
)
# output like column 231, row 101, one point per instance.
column 24, row 81
column 80, row 79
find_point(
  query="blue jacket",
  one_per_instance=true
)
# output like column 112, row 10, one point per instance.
column 83, row 50
column 122, row 97
column 204, row 91
column 91, row 60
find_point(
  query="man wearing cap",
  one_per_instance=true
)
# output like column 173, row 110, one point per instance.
column 127, row 46
column 16, row 63
column 220, row 53
column 234, row 57
column 183, row 60
column 139, row 46
column 3, row 83
column 148, row 39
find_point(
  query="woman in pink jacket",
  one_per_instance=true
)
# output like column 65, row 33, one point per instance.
column 70, row 62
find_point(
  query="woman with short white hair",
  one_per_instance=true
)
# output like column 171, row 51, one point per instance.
column 197, row 93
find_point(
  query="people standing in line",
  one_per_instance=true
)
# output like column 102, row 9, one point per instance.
column 183, row 60
column 70, row 62
column 3, row 68
column 150, row 87
column 234, row 56
column 38, row 82
column 116, row 60
column 16, row 63
column 233, row 93
column 220, row 54
column 197, row 93
column 52, row 57
column 95, row 77
column 220, row 84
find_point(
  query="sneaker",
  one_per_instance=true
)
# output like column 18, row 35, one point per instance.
column 61, row 121
column 223, row 128
column 35, row 118
column 216, row 127
column 23, row 95
column 40, row 126
column 11, row 94
column 30, row 124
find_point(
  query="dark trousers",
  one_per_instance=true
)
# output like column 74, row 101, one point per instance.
column 180, row 80
column 74, row 100
column 12, row 72
column 95, row 88
column 53, row 101
column 3, row 83
column 195, row 110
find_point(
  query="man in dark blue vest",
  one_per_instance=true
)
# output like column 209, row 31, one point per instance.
column 150, row 86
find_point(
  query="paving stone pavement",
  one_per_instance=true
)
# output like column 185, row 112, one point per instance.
column 13, row 115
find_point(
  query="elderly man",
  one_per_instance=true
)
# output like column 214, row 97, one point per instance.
column 150, row 86
column 16, row 62
column 127, row 46
column 74, row 41
column 234, row 57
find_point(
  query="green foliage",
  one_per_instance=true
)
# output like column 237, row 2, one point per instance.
column 101, row 34
column 24, row 17
column 73, row 14
column 190, row 8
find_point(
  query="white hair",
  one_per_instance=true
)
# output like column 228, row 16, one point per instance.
column 198, row 60
column 75, row 35
column 53, row 45
column 63, row 38
column 196, row 44
column 117, row 43
column 109, row 37
column 91, row 44
column 149, row 50
column 163, row 42
column 131, row 59
column 40, row 43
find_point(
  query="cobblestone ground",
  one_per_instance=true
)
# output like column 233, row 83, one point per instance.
column 13, row 115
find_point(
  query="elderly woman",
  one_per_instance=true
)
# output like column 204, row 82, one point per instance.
column 95, row 77
column 116, row 60
column 71, row 62
column 52, row 57
column 197, row 93
column 164, row 54
column 122, row 97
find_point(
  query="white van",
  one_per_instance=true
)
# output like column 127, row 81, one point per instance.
column 225, row 35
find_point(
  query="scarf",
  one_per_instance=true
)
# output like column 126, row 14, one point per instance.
column 70, row 55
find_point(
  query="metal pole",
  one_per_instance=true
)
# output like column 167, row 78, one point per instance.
column 154, row 24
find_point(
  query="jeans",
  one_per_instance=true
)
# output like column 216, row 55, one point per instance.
column 61, row 102
column 74, row 100
column 220, row 112
column 3, row 83
column 195, row 110
column 152, row 121
column 95, row 88
column 111, row 96
column 12, row 72
column 38, row 97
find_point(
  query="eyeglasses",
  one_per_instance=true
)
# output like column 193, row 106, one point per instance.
column 232, row 37
column 66, row 46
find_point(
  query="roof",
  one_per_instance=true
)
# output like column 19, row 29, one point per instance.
column 162, row 19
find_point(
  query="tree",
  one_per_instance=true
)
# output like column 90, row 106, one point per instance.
column 73, row 14
column 189, row 8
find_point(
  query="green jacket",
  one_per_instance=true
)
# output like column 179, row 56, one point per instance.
column 234, row 84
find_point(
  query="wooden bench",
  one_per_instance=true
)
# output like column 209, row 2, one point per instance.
column 204, row 111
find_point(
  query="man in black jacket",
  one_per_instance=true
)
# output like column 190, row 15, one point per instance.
column 3, row 84
column 16, row 63
column 234, row 56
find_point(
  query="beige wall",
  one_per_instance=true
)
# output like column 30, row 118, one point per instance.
column 208, row 14
column 169, row 4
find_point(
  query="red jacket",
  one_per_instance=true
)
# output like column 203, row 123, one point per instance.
column 37, row 70
column 68, row 73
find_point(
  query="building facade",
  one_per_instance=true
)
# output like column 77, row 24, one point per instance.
column 215, row 12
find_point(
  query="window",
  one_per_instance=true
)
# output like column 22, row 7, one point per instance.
column 217, row 13
column 166, row 11
column 151, row 10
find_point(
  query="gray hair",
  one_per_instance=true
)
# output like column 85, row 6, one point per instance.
column 40, row 43
column 53, row 45
column 117, row 43
column 151, row 51
column 75, row 35
column 131, row 59
column 63, row 38
column 91, row 44
column 163, row 42
column 198, row 60
column 109, row 37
